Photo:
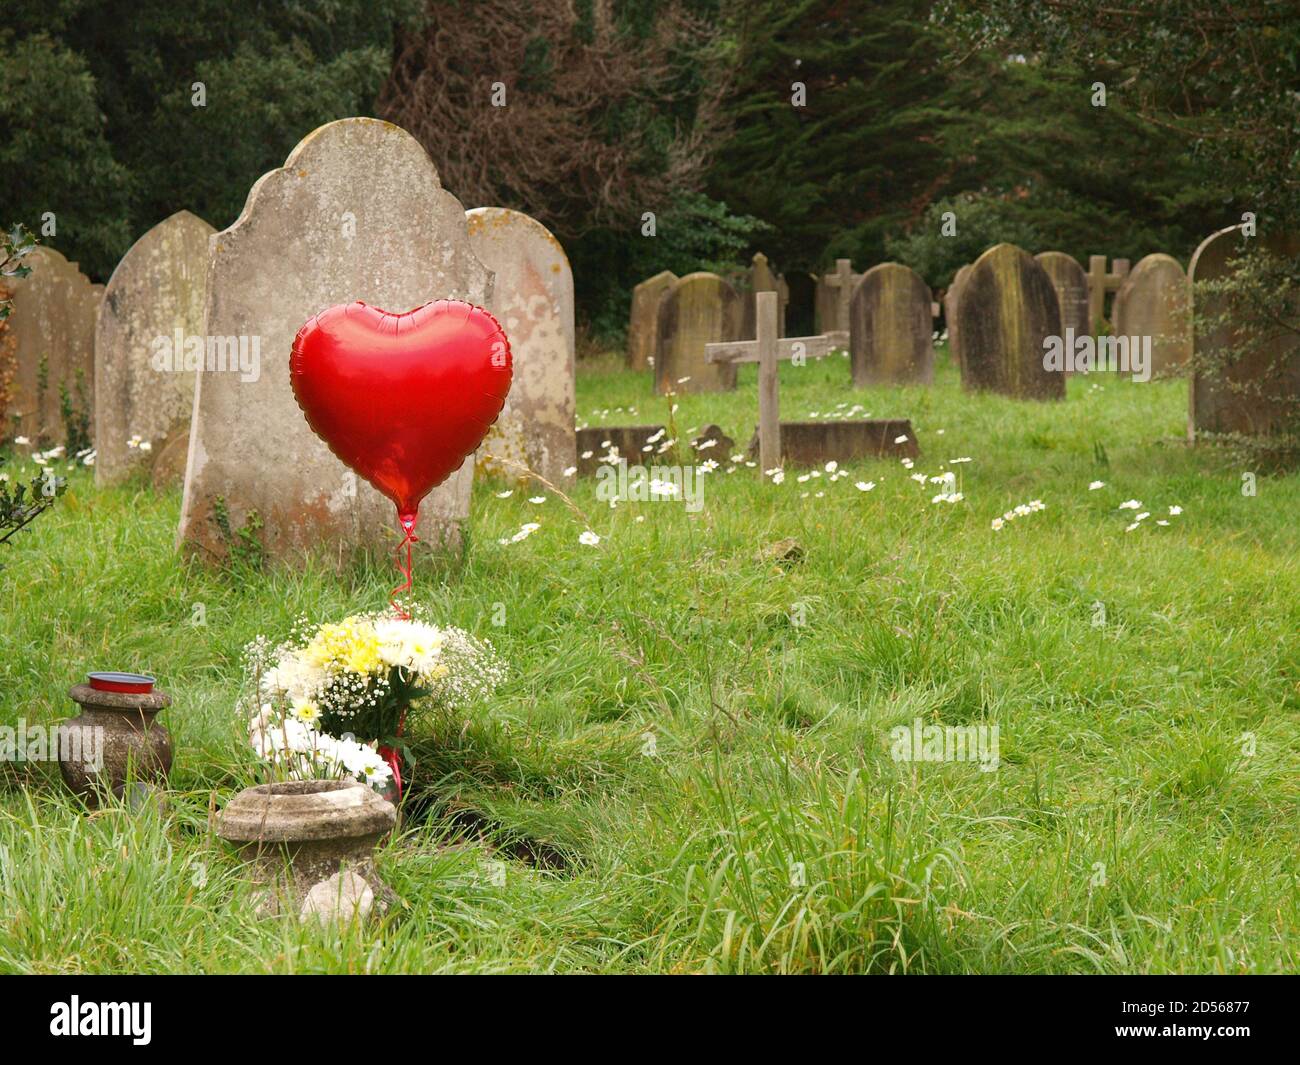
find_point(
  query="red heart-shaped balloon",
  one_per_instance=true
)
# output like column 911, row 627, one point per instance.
column 403, row 399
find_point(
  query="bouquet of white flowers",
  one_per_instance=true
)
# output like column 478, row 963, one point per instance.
column 334, row 699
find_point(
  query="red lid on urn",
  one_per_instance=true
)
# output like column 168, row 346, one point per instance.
column 129, row 683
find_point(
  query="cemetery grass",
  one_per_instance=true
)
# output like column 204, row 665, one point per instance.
column 1143, row 817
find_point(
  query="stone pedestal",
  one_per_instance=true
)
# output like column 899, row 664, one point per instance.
column 312, row 844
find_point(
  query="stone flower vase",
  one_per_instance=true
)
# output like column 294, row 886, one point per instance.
column 136, row 748
column 311, row 843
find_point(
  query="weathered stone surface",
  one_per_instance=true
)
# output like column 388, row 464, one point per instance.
column 341, row 899
column 168, row 468
column 950, row 299
column 532, row 298
column 357, row 212
column 891, row 332
column 627, row 441
column 762, row 278
column 299, row 833
column 52, row 324
column 1155, row 300
column 1006, row 310
column 1071, row 284
column 1246, row 375
column 830, row 308
column 698, row 309
column 712, row 443
column 153, row 302
column 813, row 443
column 643, row 325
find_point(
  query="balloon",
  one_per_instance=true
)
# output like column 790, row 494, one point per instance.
column 403, row 399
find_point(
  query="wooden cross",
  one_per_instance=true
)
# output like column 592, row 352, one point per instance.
column 1100, row 282
column 767, row 350
column 843, row 280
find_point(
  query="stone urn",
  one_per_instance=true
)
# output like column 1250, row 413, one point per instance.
column 115, row 742
column 312, row 844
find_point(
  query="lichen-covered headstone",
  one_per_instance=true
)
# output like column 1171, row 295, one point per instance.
column 356, row 213
column 52, row 324
column 699, row 309
column 891, row 333
column 1071, row 284
column 1155, row 301
column 1246, row 369
column 950, row 298
column 643, row 325
column 152, row 305
column 1006, row 311
column 532, row 298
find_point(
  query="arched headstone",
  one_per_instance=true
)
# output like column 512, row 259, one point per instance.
column 699, row 309
column 1006, row 311
column 643, row 325
column 152, row 305
column 950, row 298
column 532, row 298
column 52, row 324
column 1246, row 372
column 1155, row 301
column 891, row 331
column 356, row 212
column 1071, row 284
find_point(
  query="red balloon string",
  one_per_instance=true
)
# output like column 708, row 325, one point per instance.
column 408, row 524
column 389, row 755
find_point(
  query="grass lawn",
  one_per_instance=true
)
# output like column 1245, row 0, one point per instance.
column 689, row 768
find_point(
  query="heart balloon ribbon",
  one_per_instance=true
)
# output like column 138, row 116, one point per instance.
column 402, row 399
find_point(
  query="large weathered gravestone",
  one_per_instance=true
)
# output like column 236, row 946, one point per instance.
column 532, row 298
column 950, row 299
column 1246, row 370
column 1071, row 285
column 643, row 325
column 891, row 332
column 152, row 306
column 357, row 212
column 1006, row 311
column 1155, row 300
column 52, row 324
column 699, row 309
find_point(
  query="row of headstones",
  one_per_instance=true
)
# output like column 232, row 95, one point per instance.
column 998, row 311
column 357, row 212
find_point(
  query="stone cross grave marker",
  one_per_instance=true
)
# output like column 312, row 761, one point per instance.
column 1100, row 282
column 767, row 350
column 842, row 281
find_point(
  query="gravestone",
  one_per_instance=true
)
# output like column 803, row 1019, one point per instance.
column 697, row 310
column 643, row 325
column 153, row 303
column 1155, row 301
column 891, row 330
column 532, row 298
column 1006, row 311
column 762, row 278
column 768, row 349
column 813, row 443
column 1071, row 285
column 950, row 299
column 1101, row 282
column 356, row 213
column 1246, row 370
column 597, row 442
column 833, row 293
column 52, row 325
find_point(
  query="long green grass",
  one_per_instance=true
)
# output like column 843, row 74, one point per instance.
column 689, row 768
